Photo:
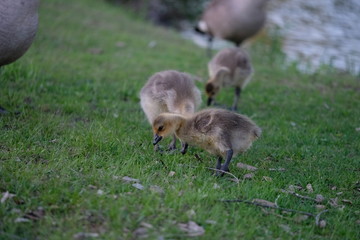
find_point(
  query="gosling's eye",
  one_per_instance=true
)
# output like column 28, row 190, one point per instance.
column 161, row 128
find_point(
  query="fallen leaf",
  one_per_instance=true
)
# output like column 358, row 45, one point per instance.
column 292, row 188
column 267, row 179
column 15, row 210
column 36, row 214
column 192, row 229
column 334, row 202
column 277, row 169
column 341, row 208
column 264, row 203
column 322, row 224
column 301, row 218
column 120, row 44
column 92, row 186
column 216, row 186
column 138, row 186
column 20, row 220
column 333, row 188
column 326, row 106
column 141, row 232
column 249, row 176
column 309, row 188
column 6, row 195
column 83, row 235
column 347, row 201
column 129, row 179
column 286, row 228
column 339, row 193
column 146, row 225
column 319, row 198
column 320, row 207
column 171, row 173
column 246, row 167
column 152, row 44
column 156, row 189
column 95, row 51
column 190, row 213
column 209, row 221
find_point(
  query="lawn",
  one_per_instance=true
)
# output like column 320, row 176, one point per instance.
column 76, row 159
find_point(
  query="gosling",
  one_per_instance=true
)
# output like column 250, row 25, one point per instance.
column 169, row 91
column 232, row 20
column 229, row 67
column 218, row 131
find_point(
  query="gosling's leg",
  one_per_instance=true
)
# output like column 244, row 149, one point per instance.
column 209, row 101
column 218, row 164
column 236, row 98
column 184, row 147
column 172, row 145
column 209, row 51
column 225, row 167
column 156, row 148
column 218, row 167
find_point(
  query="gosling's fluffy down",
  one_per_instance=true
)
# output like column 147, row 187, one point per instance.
column 229, row 67
column 220, row 132
column 169, row 91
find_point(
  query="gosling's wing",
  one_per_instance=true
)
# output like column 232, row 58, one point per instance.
column 202, row 122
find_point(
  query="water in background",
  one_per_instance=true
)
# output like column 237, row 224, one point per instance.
column 314, row 33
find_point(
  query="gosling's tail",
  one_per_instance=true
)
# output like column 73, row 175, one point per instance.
column 257, row 132
column 201, row 27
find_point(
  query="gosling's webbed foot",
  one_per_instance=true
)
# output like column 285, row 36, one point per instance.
column 172, row 147
column 184, row 148
column 158, row 149
column 225, row 167
column 222, row 171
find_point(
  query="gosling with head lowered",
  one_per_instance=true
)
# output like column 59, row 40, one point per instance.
column 218, row 131
column 170, row 91
column 229, row 67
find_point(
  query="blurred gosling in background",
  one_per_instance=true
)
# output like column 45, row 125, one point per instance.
column 232, row 20
column 230, row 67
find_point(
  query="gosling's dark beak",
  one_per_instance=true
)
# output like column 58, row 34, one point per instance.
column 209, row 101
column 157, row 139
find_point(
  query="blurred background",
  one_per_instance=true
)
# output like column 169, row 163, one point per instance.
column 312, row 33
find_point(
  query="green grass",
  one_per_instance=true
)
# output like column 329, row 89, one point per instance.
column 81, row 129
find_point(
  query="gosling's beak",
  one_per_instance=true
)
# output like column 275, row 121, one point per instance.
column 209, row 101
column 157, row 139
